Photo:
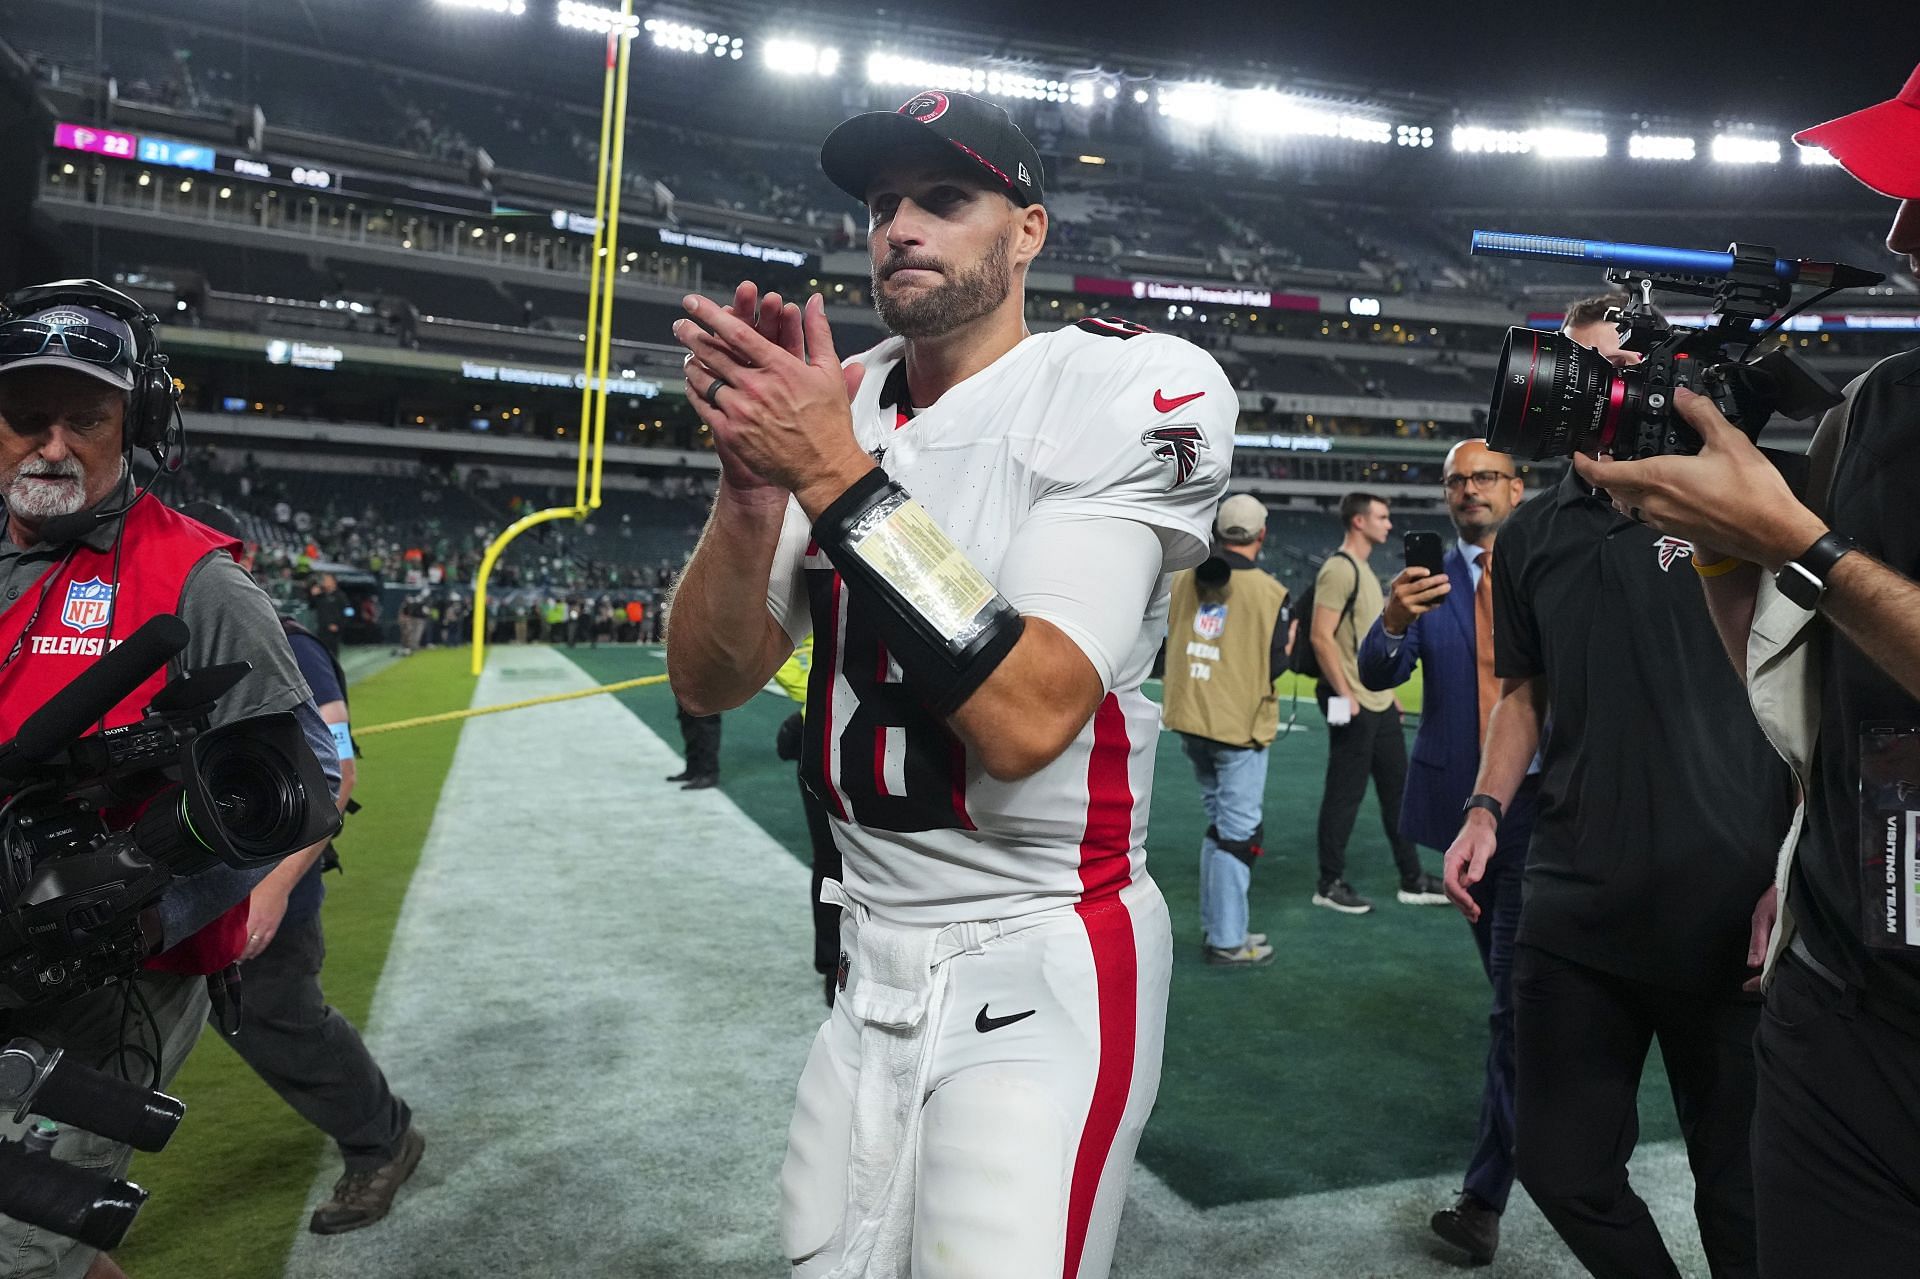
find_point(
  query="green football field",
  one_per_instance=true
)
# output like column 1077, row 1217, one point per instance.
column 594, row 990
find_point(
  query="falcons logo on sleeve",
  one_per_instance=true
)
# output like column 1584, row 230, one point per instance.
column 1180, row 445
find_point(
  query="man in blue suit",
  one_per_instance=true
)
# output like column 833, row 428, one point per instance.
column 1445, row 623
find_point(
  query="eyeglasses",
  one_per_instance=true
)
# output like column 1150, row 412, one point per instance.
column 23, row 339
column 1479, row 479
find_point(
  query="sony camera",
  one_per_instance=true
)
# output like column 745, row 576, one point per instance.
column 1553, row 397
column 96, row 825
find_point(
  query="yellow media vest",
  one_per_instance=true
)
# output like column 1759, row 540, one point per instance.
column 1218, row 684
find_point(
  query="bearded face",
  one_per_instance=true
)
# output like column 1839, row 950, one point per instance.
column 38, row 490
column 920, row 294
column 60, row 443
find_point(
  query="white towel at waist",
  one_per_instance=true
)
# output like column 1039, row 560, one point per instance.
column 897, row 988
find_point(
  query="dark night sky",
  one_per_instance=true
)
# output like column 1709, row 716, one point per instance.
column 1765, row 61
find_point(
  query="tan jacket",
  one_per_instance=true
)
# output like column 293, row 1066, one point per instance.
column 1218, row 684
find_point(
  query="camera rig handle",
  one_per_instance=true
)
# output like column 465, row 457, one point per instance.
column 1749, row 292
column 35, row 1080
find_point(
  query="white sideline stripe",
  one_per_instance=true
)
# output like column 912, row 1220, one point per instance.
column 599, row 1035
column 599, row 1031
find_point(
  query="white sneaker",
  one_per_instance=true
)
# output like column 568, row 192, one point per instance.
column 1425, row 891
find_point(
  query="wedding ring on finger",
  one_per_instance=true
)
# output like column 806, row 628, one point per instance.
column 712, row 393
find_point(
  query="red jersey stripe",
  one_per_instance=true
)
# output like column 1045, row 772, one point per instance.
column 1103, row 872
column 1116, row 975
column 1104, row 848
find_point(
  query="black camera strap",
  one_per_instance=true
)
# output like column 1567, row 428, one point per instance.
column 223, row 991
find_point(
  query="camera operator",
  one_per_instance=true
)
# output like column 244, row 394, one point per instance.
column 1815, row 600
column 1660, row 807
column 299, row 1044
column 85, row 559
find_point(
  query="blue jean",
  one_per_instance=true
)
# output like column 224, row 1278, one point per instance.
column 1233, row 782
column 1490, row 1170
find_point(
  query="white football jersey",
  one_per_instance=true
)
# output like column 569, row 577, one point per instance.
column 1102, row 418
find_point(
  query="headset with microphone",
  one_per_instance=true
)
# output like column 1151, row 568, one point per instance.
column 153, row 420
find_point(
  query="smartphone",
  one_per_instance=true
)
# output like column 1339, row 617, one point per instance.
column 1424, row 550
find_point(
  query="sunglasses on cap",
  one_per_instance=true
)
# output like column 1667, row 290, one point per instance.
column 24, row 339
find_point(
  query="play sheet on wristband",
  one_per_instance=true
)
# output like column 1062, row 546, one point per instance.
column 917, row 558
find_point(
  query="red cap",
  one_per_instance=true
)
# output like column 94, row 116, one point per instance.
column 1879, row 145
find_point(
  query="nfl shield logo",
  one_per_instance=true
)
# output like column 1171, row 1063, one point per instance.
column 1210, row 621
column 88, row 604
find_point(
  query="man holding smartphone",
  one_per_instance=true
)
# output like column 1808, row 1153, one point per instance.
column 1364, row 738
column 1439, row 614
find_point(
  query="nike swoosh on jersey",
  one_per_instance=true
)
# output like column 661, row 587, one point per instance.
column 1161, row 404
column 984, row 1023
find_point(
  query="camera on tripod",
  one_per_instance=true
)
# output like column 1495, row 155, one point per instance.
column 96, row 825
column 1553, row 397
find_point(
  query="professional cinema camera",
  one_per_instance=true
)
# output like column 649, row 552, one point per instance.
column 93, row 828
column 1554, row 397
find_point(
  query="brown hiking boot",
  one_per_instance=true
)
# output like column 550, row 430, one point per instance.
column 362, row 1198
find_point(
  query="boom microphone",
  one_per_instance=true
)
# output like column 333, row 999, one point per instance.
column 98, row 689
column 1655, row 257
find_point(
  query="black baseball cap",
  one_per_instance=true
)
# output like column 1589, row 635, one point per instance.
column 937, row 124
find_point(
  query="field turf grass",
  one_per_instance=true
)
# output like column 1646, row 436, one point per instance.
column 1353, row 1060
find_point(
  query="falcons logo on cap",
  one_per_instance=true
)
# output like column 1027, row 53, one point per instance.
column 1180, row 445
column 1670, row 549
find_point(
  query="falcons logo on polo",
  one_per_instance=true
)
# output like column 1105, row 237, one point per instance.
column 1670, row 549
column 1180, row 445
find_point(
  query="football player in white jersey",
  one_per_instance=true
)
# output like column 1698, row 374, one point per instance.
column 977, row 524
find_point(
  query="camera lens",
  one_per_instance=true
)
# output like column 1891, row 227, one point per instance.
column 1553, row 397
column 258, row 802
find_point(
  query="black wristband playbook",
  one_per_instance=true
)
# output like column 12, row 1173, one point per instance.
column 942, row 620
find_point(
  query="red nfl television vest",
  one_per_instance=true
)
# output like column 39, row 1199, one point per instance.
column 158, row 549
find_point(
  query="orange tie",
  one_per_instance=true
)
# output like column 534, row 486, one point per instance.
column 1483, row 640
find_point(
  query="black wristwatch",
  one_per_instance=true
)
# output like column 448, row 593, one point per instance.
column 1487, row 802
column 1803, row 579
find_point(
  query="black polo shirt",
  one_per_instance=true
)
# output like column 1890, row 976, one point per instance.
column 1873, row 501
column 1662, row 806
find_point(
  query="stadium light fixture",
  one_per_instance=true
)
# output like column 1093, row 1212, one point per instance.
column 1140, row 96
column 1269, row 113
column 786, row 56
column 1199, row 104
column 1568, row 144
column 1413, row 135
column 595, row 18
column 1740, row 148
column 1660, row 146
column 681, row 38
column 891, row 69
column 1474, row 139
column 1815, row 157
column 1550, row 143
column 510, row 8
